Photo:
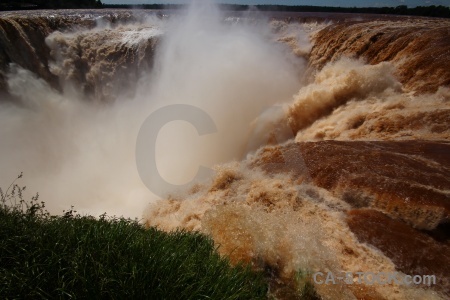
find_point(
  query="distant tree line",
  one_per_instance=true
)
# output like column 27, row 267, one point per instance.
column 48, row 4
column 426, row 11
column 145, row 6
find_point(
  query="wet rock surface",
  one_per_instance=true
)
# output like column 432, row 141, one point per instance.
column 412, row 251
column 418, row 47
column 408, row 180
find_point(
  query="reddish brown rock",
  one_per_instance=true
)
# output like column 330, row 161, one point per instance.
column 418, row 47
column 408, row 180
column 412, row 251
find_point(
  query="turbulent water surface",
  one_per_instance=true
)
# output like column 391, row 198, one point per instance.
column 331, row 151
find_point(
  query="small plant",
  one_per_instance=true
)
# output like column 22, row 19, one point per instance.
column 12, row 200
column 305, row 286
column 70, row 213
column 10, row 194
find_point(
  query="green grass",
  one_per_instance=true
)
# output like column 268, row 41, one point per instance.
column 73, row 256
